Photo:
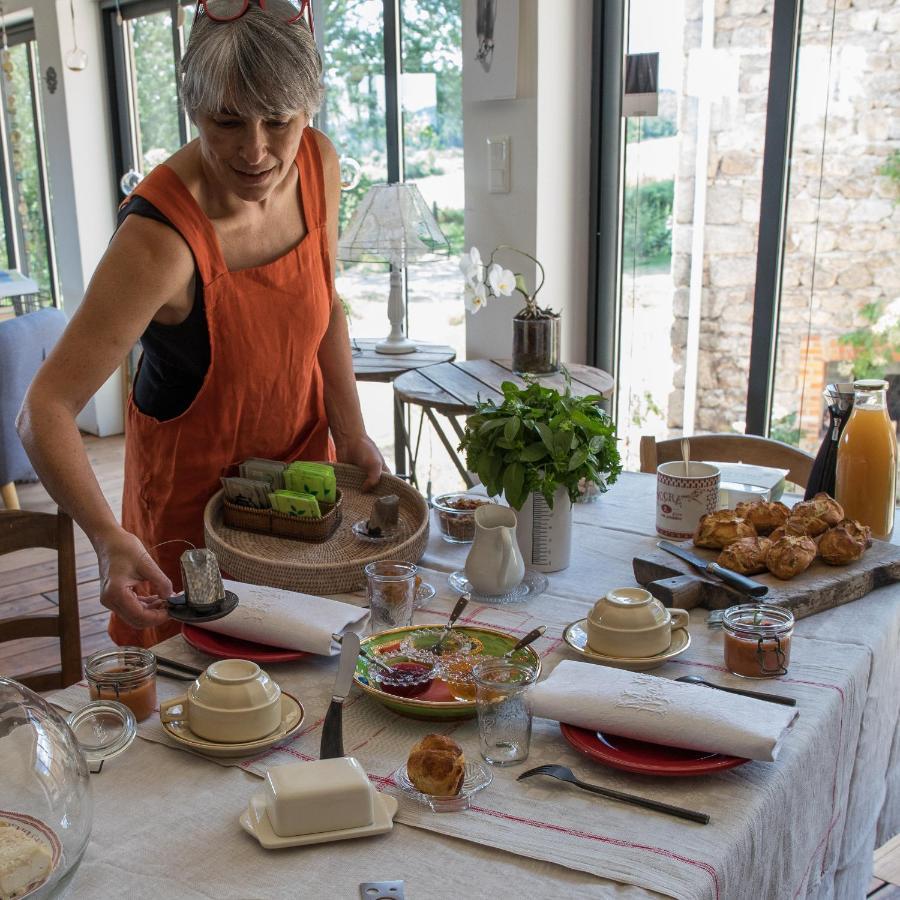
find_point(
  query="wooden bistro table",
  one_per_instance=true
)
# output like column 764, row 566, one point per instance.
column 453, row 389
column 166, row 820
column 370, row 365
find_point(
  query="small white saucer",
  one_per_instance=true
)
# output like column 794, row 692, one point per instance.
column 361, row 530
column 255, row 821
column 291, row 719
column 532, row 584
column 575, row 636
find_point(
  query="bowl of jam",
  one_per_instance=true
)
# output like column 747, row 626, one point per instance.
column 404, row 676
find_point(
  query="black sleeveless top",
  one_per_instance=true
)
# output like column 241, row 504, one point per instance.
column 175, row 357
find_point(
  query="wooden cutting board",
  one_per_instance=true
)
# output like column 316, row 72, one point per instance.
column 677, row 583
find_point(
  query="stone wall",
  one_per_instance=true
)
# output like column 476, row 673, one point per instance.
column 841, row 212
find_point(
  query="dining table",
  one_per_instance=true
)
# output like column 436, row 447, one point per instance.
column 804, row 826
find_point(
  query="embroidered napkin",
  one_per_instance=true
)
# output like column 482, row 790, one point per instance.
column 662, row 711
column 281, row 618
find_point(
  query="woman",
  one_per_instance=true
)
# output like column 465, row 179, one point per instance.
column 223, row 267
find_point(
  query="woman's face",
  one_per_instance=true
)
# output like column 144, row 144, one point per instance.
column 249, row 156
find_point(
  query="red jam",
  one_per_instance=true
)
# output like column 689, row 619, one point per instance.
column 411, row 679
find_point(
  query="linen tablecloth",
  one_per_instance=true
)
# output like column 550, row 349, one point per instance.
column 799, row 827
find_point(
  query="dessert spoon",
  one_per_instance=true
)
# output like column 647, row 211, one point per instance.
column 565, row 774
column 454, row 615
column 529, row 638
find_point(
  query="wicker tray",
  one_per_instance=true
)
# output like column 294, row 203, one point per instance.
column 333, row 566
column 270, row 521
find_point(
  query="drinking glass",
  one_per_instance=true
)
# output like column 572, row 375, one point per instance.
column 391, row 590
column 504, row 710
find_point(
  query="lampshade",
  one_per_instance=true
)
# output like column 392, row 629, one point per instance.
column 393, row 222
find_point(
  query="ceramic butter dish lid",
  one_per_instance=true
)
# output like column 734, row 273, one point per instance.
column 320, row 795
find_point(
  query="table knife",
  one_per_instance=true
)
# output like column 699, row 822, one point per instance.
column 741, row 582
column 332, row 745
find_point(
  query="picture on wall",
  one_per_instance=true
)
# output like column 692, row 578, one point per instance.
column 490, row 49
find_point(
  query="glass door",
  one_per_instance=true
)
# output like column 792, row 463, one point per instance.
column 840, row 293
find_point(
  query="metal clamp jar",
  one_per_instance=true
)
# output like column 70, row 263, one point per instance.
column 126, row 674
column 758, row 640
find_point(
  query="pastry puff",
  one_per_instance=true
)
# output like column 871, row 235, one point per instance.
column 845, row 543
column 790, row 556
column 436, row 766
column 746, row 556
column 719, row 529
column 764, row 517
column 820, row 507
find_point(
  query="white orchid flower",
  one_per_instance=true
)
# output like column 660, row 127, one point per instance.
column 471, row 266
column 502, row 281
column 475, row 297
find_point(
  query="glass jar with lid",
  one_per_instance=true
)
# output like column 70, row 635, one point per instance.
column 125, row 674
column 758, row 640
column 46, row 807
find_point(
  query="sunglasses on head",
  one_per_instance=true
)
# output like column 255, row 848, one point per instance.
column 229, row 10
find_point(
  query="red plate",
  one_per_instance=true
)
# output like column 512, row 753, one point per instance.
column 643, row 758
column 234, row 648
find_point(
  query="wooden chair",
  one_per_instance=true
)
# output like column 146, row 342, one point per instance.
column 21, row 530
column 730, row 448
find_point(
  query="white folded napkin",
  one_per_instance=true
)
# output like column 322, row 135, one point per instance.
column 662, row 711
column 287, row 619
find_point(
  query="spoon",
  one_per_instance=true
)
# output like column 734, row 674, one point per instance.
column 529, row 638
column 454, row 615
column 375, row 662
column 686, row 455
column 565, row 774
column 757, row 695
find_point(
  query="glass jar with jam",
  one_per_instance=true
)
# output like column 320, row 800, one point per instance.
column 758, row 640
column 126, row 674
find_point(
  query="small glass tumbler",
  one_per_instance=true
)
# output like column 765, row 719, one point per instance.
column 504, row 710
column 391, row 590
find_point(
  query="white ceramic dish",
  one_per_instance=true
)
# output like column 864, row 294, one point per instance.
column 255, row 821
column 575, row 636
column 292, row 714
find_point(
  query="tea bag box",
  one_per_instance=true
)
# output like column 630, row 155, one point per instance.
column 321, row 795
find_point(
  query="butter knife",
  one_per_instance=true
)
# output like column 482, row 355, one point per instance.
column 740, row 582
column 332, row 745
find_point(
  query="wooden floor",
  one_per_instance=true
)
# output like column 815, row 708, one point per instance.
column 28, row 585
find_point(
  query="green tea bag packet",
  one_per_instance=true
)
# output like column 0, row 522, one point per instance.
column 295, row 503
column 312, row 478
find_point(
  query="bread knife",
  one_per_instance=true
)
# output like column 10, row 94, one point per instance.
column 740, row 582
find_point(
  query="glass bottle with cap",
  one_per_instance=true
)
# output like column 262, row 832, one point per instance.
column 866, row 477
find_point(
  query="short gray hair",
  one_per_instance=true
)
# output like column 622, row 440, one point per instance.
column 257, row 65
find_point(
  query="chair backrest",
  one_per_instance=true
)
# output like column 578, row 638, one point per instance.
column 25, row 342
column 731, row 448
column 24, row 529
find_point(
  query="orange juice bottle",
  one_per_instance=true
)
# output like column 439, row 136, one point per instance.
column 867, row 460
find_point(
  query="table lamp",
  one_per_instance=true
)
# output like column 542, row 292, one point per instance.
column 393, row 223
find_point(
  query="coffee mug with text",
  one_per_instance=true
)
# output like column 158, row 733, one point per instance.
column 682, row 497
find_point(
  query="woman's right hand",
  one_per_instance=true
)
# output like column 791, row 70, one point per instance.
column 125, row 569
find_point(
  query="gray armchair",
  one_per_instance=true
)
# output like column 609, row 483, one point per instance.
column 25, row 342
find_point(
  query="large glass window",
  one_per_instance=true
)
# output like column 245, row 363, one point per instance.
column 26, row 230
column 690, row 212
column 840, row 292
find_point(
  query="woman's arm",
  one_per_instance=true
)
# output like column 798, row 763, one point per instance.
column 146, row 267
column 345, row 419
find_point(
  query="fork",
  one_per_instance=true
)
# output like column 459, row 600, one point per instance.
column 565, row 774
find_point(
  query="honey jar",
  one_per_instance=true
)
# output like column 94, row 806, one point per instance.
column 758, row 640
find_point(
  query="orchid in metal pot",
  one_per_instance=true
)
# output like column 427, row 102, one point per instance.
column 536, row 330
column 539, row 448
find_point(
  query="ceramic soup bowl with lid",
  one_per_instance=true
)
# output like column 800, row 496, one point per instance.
column 631, row 622
column 232, row 702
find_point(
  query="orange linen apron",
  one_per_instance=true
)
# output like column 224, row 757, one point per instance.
column 263, row 393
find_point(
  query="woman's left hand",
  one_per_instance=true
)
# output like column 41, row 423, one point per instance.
column 363, row 453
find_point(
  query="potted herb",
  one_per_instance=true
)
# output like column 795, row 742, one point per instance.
column 539, row 448
column 536, row 331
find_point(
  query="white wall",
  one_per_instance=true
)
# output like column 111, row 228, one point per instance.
column 79, row 151
column 546, row 210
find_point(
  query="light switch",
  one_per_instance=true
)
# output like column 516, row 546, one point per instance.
column 498, row 164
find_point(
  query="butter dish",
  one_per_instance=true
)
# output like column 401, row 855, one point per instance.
column 255, row 821
column 319, row 795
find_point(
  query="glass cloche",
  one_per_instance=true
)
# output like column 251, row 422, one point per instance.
column 46, row 807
